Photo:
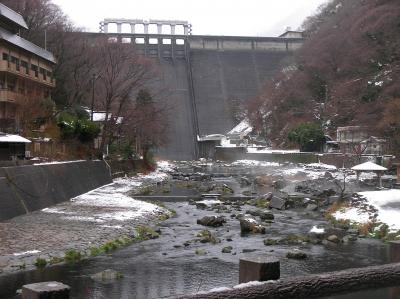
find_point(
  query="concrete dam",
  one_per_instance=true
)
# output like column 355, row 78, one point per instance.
column 205, row 76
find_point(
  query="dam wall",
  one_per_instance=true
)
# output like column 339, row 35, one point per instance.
column 205, row 77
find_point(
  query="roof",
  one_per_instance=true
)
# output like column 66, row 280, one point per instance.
column 12, row 16
column 8, row 138
column 243, row 127
column 212, row 137
column 369, row 166
column 26, row 45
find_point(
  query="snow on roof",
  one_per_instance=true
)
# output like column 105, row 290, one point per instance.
column 243, row 127
column 211, row 137
column 100, row 116
column 8, row 138
column 369, row 166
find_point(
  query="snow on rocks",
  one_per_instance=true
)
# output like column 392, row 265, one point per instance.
column 255, row 163
column 386, row 202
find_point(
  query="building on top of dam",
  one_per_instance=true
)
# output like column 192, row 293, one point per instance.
column 26, row 71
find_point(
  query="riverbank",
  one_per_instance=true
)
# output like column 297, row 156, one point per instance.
column 81, row 226
column 263, row 208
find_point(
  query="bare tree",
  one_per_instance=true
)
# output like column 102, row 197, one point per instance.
column 121, row 73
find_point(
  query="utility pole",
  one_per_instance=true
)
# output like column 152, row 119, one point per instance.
column 92, row 106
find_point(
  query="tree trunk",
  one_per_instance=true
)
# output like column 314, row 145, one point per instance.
column 316, row 286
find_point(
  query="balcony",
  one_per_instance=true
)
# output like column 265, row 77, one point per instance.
column 9, row 96
column 12, row 68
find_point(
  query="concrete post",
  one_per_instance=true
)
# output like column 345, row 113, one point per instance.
column 44, row 290
column 132, row 28
column 146, row 28
column 394, row 251
column 172, row 29
column 159, row 28
column 119, row 27
column 258, row 269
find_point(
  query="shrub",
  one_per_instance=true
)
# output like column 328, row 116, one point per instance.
column 309, row 136
column 40, row 263
column 72, row 256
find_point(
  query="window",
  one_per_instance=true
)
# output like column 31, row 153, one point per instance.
column 25, row 65
column 43, row 73
column 15, row 60
column 35, row 69
column 5, row 56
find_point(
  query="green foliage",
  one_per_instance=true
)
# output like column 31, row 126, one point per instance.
column 144, row 97
column 40, row 263
column 146, row 233
column 72, row 256
column 309, row 136
column 77, row 126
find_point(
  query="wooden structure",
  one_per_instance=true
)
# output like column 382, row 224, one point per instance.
column 368, row 167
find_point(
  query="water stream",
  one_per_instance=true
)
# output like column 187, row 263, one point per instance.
column 164, row 267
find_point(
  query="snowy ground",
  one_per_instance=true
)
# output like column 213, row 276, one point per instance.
column 387, row 202
column 89, row 220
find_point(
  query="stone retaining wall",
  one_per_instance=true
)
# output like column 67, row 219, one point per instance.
column 25, row 189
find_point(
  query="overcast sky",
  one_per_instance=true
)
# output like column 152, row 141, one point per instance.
column 213, row 17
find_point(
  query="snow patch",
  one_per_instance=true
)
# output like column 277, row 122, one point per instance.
column 26, row 253
column 387, row 202
column 255, row 163
column 317, row 230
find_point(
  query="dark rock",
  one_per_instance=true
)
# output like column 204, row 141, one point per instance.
column 270, row 242
column 333, row 239
column 267, row 216
column 207, row 237
column 296, row 254
column 277, row 203
column 245, row 181
column 248, row 250
column 312, row 207
column 213, row 221
column 227, row 249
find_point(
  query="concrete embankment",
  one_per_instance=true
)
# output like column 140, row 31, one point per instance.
column 28, row 188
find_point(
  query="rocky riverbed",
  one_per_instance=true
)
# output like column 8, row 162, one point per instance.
column 223, row 211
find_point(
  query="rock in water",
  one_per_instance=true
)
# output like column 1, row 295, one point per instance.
column 333, row 239
column 296, row 254
column 312, row 207
column 212, row 221
column 227, row 249
column 106, row 276
column 277, row 203
column 250, row 225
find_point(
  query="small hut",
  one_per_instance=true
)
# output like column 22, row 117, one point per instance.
column 12, row 147
column 370, row 167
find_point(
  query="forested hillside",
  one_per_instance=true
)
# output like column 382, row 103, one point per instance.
column 347, row 73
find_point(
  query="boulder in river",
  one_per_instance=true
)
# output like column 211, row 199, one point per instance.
column 250, row 225
column 333, row 239
column 277, row 203
column 227, row 249
column 296, row 254
column 213, row 221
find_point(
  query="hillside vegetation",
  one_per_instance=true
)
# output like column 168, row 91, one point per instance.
column 347, row 73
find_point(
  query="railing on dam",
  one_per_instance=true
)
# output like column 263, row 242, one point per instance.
column 163, row 45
